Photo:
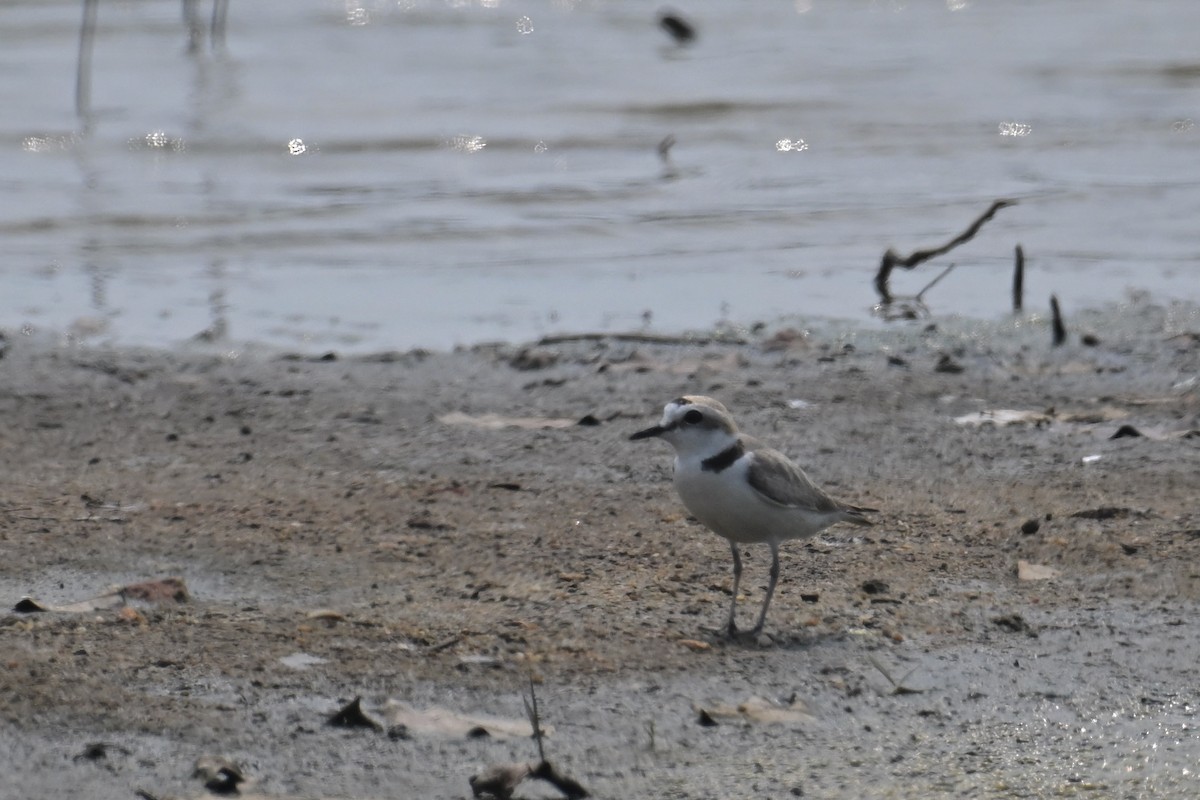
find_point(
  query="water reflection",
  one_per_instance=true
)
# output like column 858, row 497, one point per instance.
column 176, row 194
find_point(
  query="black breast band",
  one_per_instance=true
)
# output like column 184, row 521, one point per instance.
column 724, row 459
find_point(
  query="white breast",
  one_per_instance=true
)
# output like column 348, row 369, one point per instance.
column 727, row 504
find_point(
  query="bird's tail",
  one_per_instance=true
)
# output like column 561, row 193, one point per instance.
column 855, row 514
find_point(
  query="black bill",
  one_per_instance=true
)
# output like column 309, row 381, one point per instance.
column 657, row 430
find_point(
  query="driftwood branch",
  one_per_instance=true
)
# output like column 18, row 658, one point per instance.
column 568, row 786
column 352, row 715
column 500, row 780
column 892, row 260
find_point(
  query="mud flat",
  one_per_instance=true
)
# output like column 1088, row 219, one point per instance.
column 434, row 528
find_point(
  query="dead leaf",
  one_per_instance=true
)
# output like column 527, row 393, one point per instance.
column 757, row 709
column 786, row 339
column 161, row 591
column 442, row 722
column 165, row 590
column 999, row 417
column 1105, row 512
column 1035, row 572
column 220, row 775
column 129, row 614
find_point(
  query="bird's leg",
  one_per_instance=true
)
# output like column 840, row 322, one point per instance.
column 731, row 627
column 762, row 617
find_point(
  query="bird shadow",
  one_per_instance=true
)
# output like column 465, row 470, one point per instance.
column 772, row 639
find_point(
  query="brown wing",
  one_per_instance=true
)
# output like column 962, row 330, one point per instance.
column 778, row 480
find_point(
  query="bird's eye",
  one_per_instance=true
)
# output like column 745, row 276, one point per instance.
column 692, row 417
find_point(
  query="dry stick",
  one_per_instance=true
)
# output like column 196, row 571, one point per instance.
column 1018, row 293
column 891, row 260
column 640, row 338
column 1060, row 330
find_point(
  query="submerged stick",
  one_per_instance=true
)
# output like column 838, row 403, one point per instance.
column 217, row 32
column 83, row 62
column 934, row 282
column 1060, row 330
column 191, row 21
column 1018, row 292
column 891, row 259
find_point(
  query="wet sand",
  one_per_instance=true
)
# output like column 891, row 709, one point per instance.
column 358, row 527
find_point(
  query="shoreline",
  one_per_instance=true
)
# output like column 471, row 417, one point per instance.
column 436, row 526
column 87, row 335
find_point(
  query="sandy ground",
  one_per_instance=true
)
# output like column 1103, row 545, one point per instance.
column 341, row 536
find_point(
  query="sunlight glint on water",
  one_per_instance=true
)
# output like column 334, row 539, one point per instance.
column 490, row 171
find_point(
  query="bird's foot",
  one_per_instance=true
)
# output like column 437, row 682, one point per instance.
column 733, row 633
column 760, row 638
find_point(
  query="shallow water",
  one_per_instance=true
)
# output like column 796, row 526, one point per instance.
column 369, row 175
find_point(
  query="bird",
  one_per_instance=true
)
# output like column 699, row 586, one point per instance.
column 741, row 489
column 678, row 28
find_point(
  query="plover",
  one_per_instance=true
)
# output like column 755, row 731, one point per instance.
column 741, row 489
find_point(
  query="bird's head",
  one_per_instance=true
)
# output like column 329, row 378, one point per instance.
column 694, row 424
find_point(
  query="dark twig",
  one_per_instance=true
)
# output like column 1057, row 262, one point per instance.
column 1018, row 293
column 531, row 710
column 1060, row 330
column 891, row 259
